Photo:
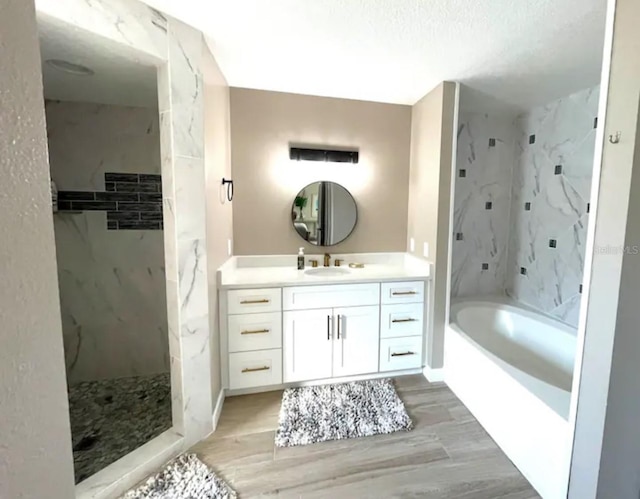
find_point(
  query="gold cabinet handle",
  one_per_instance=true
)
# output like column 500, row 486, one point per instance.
column 400, row 293
column 404, row 320
column 250, row 302
column 255, row 369
column 402, row 354
column 256, row 331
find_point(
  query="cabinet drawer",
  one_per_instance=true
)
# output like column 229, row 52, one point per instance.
column 250, row 369
column 255, row 332
column 341, row 295
column 402, row 292
column 251, row 301
column 401, row 320
column 400, row 353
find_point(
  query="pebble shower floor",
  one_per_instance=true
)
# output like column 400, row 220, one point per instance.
column 111, row 418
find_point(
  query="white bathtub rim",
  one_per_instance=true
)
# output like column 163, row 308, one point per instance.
column 554, row 397
column 510, row 303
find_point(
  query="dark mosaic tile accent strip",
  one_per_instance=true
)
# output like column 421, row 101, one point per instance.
column 492, row 142
column 558, row 169
column 76, row 196
column 532, row 139
column 527, row 206
column 485, row 266
column 588, row 207
column 463, row 173
column 111, row 418
column 553, row 243
column 488, row 205
column 92, row 205
column 580, row 289
column 595, row 122
column 459, row 236
column 523, row 271
column 132, row 201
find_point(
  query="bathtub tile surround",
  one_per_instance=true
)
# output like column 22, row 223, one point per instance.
column 482, row 204
column 537, row 181
column 554, row 175
column 132, row 201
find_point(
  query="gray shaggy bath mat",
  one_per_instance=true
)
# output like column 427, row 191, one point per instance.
column 186, row 477
column 332, row 412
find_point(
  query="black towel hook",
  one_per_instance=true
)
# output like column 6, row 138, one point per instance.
column 229, row 188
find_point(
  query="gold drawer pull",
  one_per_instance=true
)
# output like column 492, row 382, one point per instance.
column 404, row 320
column 251, row 302
column 402, row 354
column 257, row 331
column 401, row 293
column 255, row 369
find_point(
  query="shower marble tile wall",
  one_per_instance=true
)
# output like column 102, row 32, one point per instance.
column 530, row 244
column 112, row 284
column 550, row 200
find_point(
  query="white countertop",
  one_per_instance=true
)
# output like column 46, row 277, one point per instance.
column 278, row 271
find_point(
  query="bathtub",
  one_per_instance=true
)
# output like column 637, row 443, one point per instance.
column 513, row 369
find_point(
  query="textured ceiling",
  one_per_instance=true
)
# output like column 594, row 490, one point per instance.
column 524, row 52
column 122, row 76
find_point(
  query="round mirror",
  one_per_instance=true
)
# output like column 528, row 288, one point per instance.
column 324, row 213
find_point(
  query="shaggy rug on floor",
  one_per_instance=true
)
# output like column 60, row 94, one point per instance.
column 332, row 412
column 186, row 477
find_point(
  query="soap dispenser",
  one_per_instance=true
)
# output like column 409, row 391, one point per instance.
column 301, row 259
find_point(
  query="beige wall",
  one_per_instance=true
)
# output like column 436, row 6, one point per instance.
column 263, row 124
column 217, row 156
column 432, row 133
column 606, row 449
column 35, row 439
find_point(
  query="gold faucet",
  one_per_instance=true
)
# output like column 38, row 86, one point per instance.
column 327, row 260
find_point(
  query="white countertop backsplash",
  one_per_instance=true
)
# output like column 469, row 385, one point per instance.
column 281, row 270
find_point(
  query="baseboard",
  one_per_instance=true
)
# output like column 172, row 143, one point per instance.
column 327, row 381
column 433, row 375
column 218, row 409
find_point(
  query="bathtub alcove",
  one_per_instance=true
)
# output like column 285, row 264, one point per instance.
column 522, row 192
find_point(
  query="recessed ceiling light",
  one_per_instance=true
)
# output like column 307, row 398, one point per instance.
column 70, row 67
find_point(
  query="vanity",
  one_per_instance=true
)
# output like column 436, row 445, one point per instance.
column 339, row 318
column 282, row 326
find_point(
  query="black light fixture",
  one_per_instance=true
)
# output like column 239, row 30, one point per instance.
column 327, row 155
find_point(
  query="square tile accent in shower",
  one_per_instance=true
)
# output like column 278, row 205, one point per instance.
column 485, row 266
column 492, row 142
column 580, row 289
column 462, row 173
column 132, row 201
column 532, row 139
column 459, row 236
column 527, row 206
column 553, row 243
column 595, row 122
column 523, row 271
column 488, row 205
column 558, row 169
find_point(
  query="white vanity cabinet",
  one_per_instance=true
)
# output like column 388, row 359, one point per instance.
column 314, row 332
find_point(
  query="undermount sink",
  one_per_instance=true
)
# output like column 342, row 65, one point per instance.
column 327, row 271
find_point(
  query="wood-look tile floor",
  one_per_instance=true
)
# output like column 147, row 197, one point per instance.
column 447, row 454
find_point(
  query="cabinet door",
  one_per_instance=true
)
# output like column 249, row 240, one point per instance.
column 356, row 339
column 308, row 340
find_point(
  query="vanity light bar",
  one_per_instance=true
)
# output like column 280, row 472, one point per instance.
column 328, row 155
